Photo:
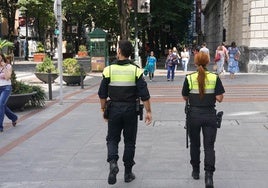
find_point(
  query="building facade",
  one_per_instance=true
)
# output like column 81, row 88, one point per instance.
column 242, row 21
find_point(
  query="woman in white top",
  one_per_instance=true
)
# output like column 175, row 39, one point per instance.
column 185, row 59
column 220, row 62
column 5, row 91
column 177, row 55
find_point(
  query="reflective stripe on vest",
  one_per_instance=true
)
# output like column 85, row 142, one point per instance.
column 122, row 75
column 210, row 83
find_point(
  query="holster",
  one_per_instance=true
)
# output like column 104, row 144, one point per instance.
column 107, row 109
column 219, row 118
column 139, row 109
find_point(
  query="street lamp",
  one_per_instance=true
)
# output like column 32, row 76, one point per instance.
column 26, row 46
column 149, row 20
column 0, row 25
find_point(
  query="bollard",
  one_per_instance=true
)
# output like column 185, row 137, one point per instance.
column 49, row 85
column 82, row 77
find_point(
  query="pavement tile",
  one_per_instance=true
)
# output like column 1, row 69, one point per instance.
column 63, row 145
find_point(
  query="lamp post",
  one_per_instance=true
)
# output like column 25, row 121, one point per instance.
column 136, row 48
column 0, row 25
column 18, row 40
column 26, row 46
column 26, row 37
column 141, row 6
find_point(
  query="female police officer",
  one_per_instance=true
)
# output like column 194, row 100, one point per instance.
column 202, row 89
column 123, row 83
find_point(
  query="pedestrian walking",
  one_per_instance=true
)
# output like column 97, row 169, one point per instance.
column 124, row 84
column 177, row 56
column 225, row 50
column 185, row 59
column 205, row 49
column 226, row 56
column 5, row 91
column 171, row 62
column 234, row 55
column 220, row 62
column 202, row 89
column 151, row 65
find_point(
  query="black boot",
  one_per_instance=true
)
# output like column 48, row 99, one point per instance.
column 195, row 172
column 113, row 172
column 129, row 175
column 209, row 180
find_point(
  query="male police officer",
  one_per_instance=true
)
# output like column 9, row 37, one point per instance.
column 123, row 83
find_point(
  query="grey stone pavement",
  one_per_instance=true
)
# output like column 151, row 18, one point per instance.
column 63, row 144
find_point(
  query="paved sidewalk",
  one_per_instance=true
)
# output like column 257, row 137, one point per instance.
column 63, row 145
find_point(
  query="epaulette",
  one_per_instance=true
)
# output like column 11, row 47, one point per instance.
column 191, row 73
column 212, row 72
column 132, row 63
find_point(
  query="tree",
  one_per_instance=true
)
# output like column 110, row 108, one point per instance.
column 169, row 23
column 8, row 9
column 114, row 16
column 124, row 16
column 102, row 13
column 41, row 14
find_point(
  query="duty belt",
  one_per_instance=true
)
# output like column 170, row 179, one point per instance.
column 205, row 110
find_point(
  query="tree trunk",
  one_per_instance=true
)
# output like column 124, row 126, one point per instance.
column 9, row 11
column 124, row 14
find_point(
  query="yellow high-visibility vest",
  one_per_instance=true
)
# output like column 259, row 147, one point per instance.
column 210, row 83
column 122, row 75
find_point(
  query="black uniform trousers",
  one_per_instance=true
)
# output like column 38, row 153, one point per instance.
column 122, row 117
column 205, row 120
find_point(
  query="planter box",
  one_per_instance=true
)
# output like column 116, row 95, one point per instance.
column 44, row 76
column 82, row 54
column 72, row 80
column 18, row 101
column 39, row 57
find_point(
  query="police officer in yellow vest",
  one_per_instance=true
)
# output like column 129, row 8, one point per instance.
column 123, row 83
column 202, row 89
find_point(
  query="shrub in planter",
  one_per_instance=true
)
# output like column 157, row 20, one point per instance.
column 7, row 47
column 39, row 55
column 40, row 48
column 82, row 51
column 71, row 67
column 5, row 44
column 45, row 66
column 42, row 70
column 72, row 71
column 35, row 94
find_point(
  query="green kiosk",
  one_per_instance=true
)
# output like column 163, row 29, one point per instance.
column 98, row 50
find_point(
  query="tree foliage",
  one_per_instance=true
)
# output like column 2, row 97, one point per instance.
column 113, row 16
column 8, row 9
column 176, row 14
column 41, row 11
column 102, row 12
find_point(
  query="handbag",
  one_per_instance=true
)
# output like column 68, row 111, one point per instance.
column 145, row 70
column 215, row 67
column 217, row 57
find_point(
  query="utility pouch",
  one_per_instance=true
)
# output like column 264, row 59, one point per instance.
column 219, row 118
column 107, row 109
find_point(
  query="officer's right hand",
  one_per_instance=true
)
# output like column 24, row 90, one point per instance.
column 148, row 118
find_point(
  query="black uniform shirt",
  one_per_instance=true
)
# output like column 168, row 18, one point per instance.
column 141, row 85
